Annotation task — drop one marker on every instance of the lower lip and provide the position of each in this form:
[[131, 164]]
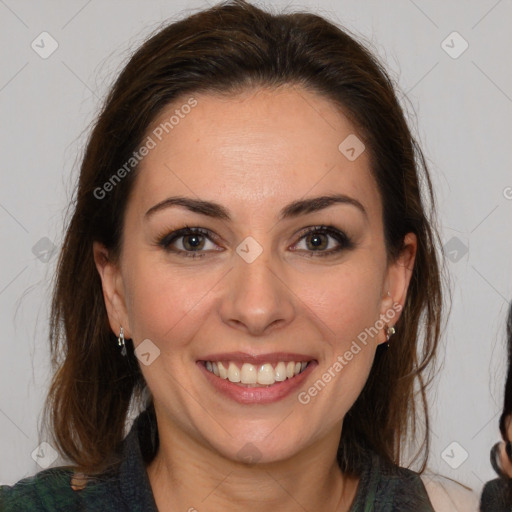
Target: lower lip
[[264, 395]]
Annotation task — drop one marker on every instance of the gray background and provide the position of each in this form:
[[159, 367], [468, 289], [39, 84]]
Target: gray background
[[461, 109]]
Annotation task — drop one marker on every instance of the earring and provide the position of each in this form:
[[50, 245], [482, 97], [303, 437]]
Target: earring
[[120, 342], [389, 332]]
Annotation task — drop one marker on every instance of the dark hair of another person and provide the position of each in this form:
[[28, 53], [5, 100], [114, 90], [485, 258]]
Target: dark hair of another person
[[506, 413], [507, 402], [227, 49]]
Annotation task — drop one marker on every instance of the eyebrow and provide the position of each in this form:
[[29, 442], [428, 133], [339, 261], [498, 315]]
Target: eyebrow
[[294, 209]]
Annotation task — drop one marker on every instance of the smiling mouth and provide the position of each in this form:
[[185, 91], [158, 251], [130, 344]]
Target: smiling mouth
[[253, 376]]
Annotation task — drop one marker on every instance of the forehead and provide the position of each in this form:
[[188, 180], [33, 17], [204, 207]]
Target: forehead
[[254, 152]]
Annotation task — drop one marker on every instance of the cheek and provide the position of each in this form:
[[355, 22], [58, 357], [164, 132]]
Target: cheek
[[164, 304], [346, 300], [347, 303]]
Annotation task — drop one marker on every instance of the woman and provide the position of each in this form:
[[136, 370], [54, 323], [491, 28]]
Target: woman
[[497, 494], [251, 260]]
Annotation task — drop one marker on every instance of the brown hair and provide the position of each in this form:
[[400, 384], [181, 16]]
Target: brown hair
[[227, 49]]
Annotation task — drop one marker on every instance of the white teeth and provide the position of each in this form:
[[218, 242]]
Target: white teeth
[[223, 373], [249, 374], [280, 372], [264, 375], [233, 373]]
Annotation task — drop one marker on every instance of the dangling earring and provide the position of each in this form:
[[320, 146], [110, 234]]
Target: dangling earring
[[120, 342], [390, 330]]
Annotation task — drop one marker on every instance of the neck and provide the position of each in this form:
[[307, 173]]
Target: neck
[[186, 475]]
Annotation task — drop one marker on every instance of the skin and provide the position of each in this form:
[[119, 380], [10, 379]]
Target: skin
[[506, 465], [253, 154]]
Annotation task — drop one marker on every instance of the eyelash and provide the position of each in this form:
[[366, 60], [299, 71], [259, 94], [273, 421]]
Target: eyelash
[[343, 240]]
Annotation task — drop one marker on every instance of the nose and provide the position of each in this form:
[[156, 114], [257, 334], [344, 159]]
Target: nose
[[257, 298]]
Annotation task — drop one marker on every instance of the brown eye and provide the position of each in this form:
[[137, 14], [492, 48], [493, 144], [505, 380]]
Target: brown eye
[[323, 241], [192, 242], [317, 241]]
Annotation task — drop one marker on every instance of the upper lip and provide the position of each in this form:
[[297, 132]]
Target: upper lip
[[271, 357]]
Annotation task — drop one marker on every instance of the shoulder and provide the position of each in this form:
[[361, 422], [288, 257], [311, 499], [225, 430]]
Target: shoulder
[[122, 485], [428, 491], [45, 491], [54, 490], [448, 495], [396, 479], [385, 486]]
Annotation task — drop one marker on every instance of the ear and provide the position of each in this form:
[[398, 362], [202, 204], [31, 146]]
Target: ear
[[396, 284], [113, 290]]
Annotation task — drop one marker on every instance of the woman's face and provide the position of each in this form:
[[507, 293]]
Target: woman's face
[[263, 288]]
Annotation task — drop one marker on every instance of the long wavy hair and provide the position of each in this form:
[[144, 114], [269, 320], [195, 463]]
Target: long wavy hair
[[226, 49]]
